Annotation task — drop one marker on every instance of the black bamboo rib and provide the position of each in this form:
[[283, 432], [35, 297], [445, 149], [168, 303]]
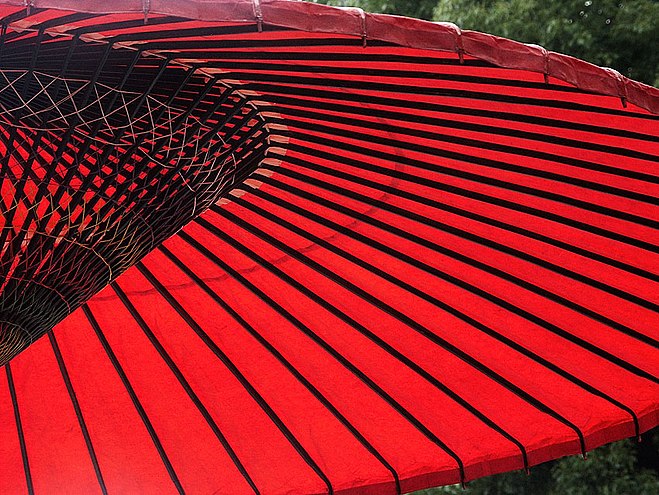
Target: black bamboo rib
[[19, 430], [400, 103], [477, 196], [533, 318], [484, 130], [381, 305], [283, 361], [101, 26], [133, 397], [452, 254], [184, 384], [295, 43], [389, 174], [181, 33], [63, 19], [391, 401], [293, 55], [411, 289], [221, 355], [477, 178], [3, 37], [78, 411]]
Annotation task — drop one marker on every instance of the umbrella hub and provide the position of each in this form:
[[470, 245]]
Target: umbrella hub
[[94, 176]]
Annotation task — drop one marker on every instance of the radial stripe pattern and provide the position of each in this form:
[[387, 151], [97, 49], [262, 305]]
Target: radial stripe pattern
[[441, 269]]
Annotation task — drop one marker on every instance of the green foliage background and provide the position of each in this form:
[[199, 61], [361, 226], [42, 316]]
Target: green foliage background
[[623, 34]]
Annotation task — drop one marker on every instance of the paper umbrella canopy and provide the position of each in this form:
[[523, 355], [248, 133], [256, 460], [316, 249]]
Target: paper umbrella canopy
[[281, 248]]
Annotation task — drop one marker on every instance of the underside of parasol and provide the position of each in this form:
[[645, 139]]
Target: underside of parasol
[[276, 247]]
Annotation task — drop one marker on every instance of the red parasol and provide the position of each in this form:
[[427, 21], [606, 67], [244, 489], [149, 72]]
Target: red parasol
[[288, 248]]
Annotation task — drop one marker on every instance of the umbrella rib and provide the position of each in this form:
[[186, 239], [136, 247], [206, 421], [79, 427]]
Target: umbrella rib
[[112, 26], [261, 43], [287, 364], [482, 179], [133, 397], [334, 56], [308, 107], [63, 19], [221, 355], [392, 115], [3, 37], [364, 99], [429, 91], [408, 362], [184, 384], [482, 293], [19, 429], [179, 34], [395, 174], [288, 69], [406, 320], [317, 339], [413, 290], [78, 411], [478, 196], [453, 254]]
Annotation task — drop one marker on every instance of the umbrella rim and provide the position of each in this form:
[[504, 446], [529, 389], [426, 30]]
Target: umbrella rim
[[402, 31]]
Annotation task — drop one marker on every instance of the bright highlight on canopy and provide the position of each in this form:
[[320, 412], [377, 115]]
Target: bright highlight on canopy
[[277, 247]]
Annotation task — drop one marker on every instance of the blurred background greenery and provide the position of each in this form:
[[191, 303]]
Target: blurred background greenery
[[620, 34]]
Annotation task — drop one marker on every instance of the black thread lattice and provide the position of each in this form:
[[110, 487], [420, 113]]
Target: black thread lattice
[[98, 170]]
